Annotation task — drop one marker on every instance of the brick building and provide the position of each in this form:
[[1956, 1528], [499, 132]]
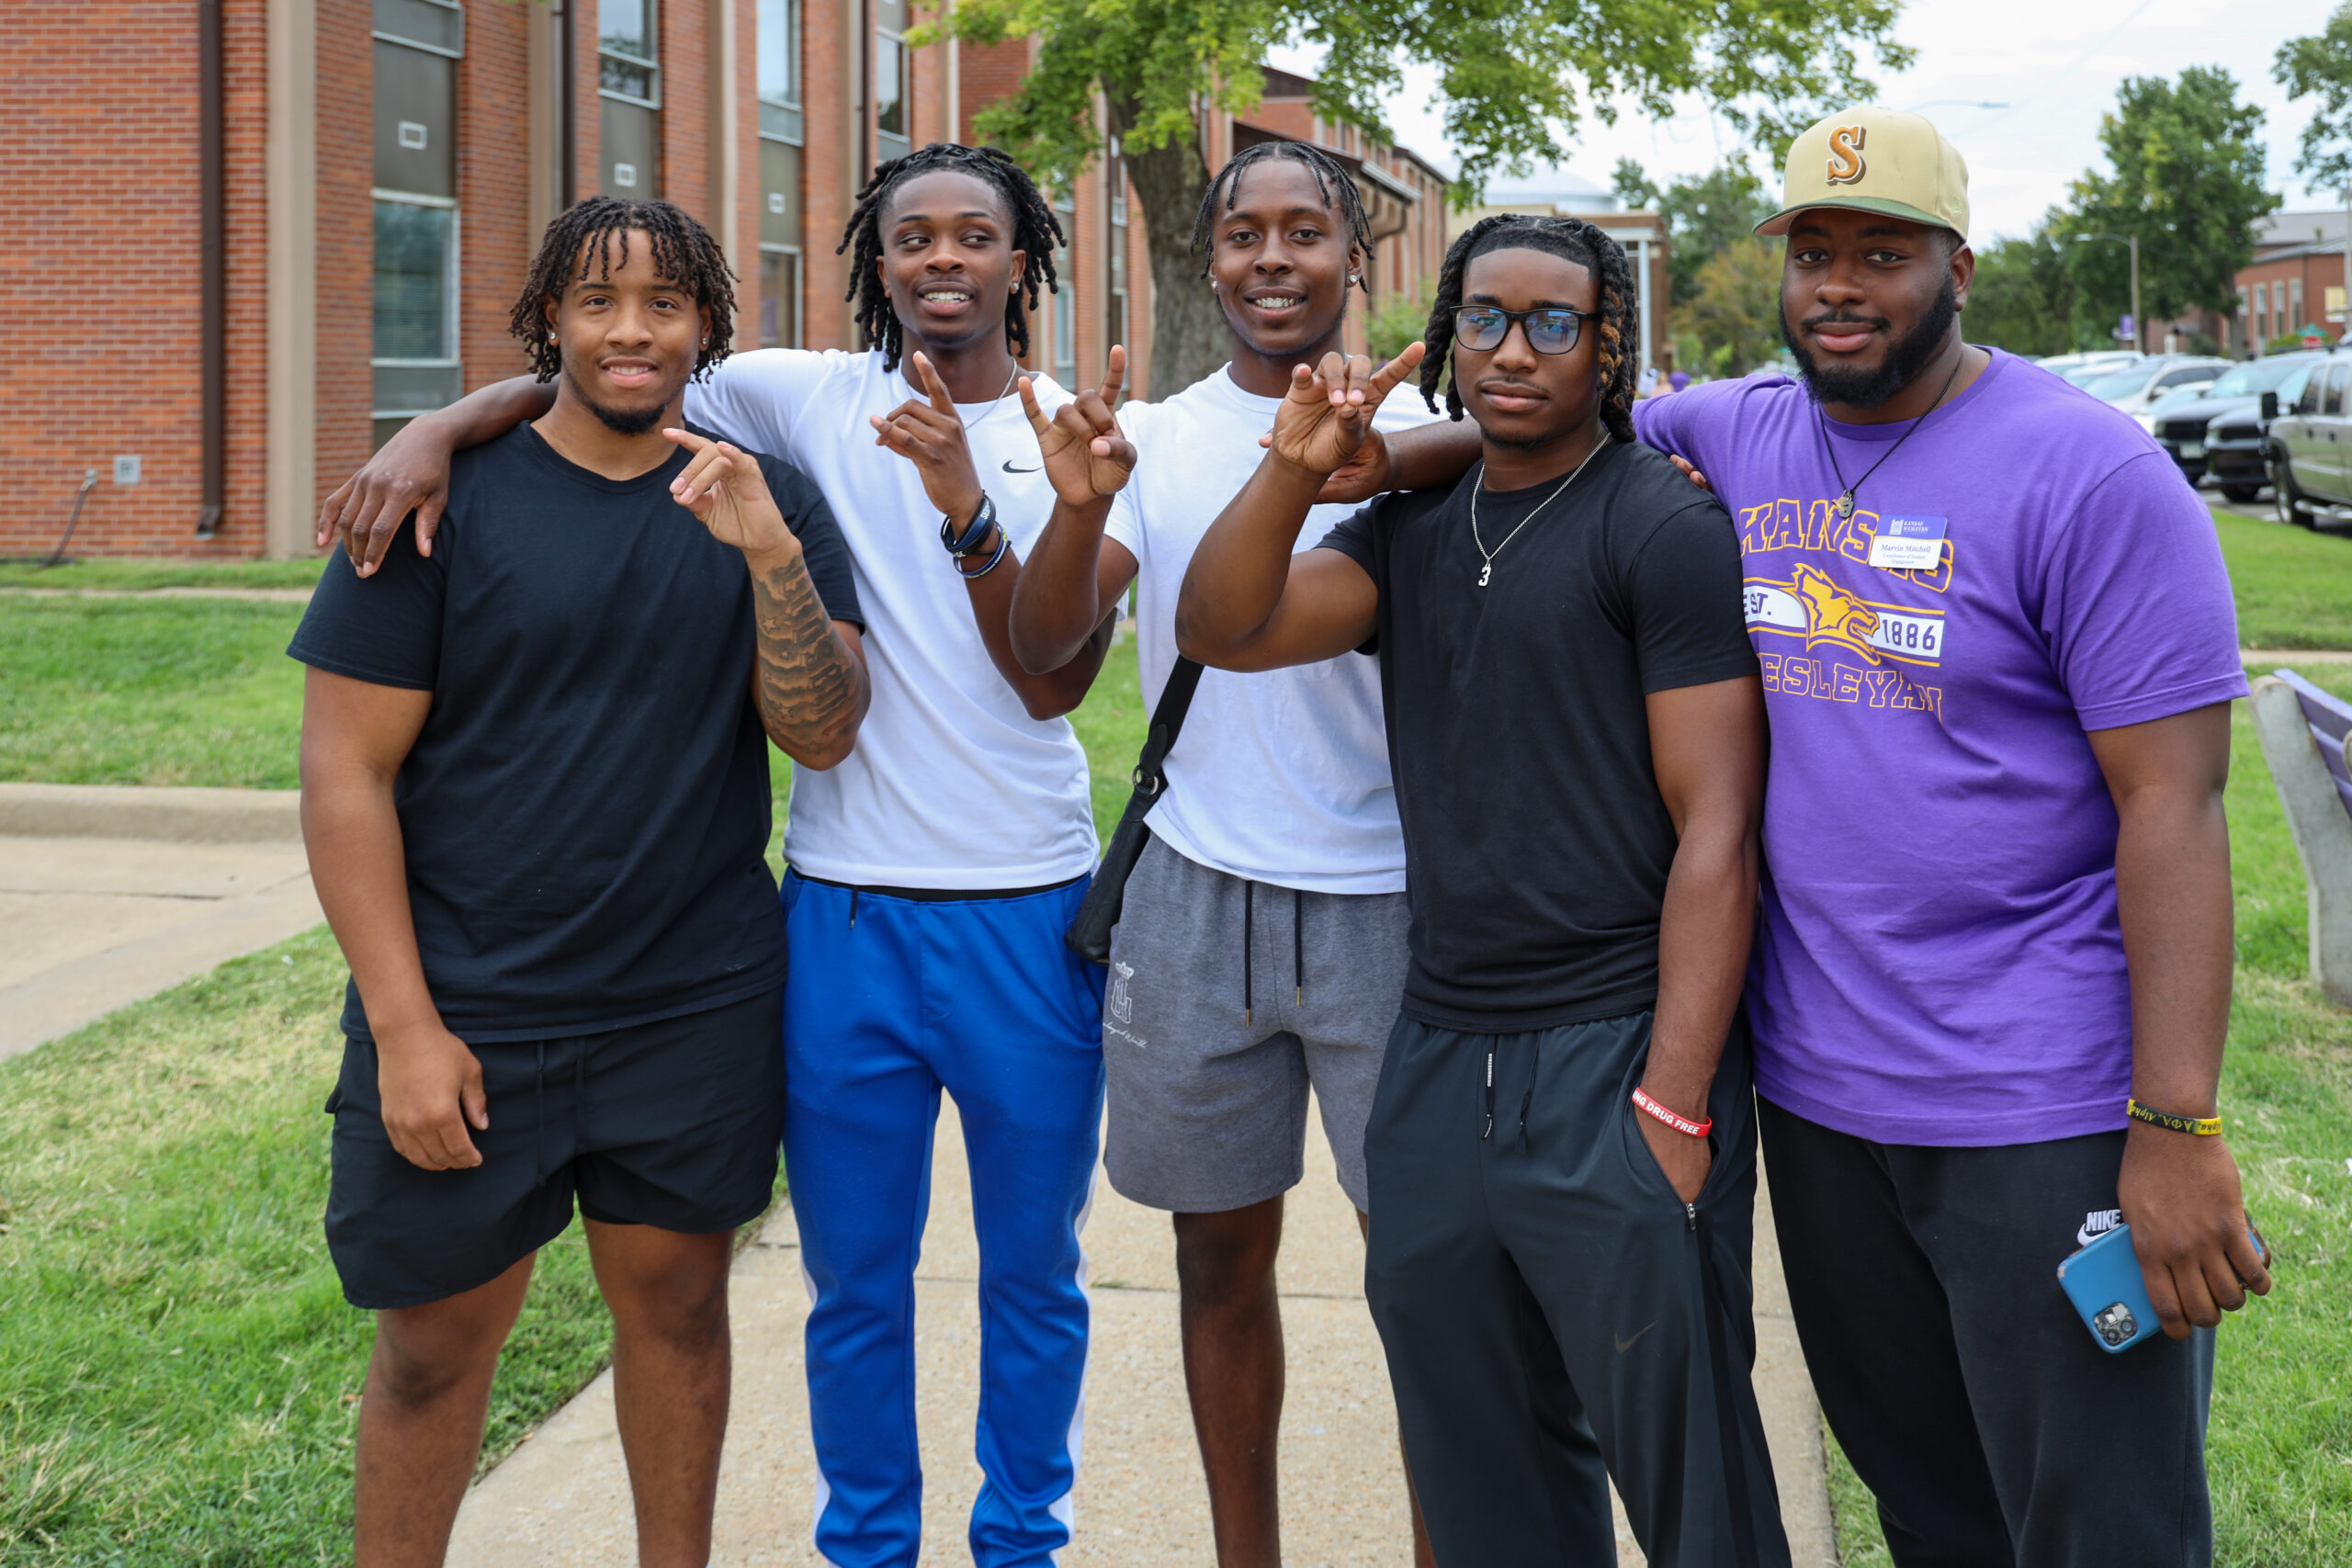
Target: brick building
[[290, 225], [2295, 280]]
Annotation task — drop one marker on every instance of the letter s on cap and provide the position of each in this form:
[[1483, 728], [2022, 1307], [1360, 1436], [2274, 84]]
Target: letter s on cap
[[1845, 154]]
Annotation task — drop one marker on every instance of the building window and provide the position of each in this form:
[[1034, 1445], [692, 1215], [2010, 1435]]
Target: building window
[[629, 80], [1064, 344], [781, 197], [2294, 305], [893, 81], [414, 354], [1114, 191]]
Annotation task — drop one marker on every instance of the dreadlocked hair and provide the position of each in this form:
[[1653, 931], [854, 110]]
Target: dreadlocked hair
[[1033, 231], [1336, 187], [1571, 239], [684, 252]]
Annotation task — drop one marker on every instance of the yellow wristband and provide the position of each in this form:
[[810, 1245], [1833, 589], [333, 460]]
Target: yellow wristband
[[2197, 1126]]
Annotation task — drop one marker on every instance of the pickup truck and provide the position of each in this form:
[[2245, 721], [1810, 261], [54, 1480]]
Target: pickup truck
[[2311, 448]]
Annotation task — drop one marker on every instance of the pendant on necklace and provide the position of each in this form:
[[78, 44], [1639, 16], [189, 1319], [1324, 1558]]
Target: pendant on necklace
[[1845, 507], [1485, 572]]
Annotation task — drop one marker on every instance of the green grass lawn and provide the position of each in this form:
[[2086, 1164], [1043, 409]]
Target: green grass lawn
[[2280, 1441], [180, 1371], [141, 573], [149, 691], [2293, 586]]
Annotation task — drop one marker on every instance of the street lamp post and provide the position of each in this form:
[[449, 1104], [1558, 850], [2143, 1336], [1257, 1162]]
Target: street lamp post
[[2139, 325]]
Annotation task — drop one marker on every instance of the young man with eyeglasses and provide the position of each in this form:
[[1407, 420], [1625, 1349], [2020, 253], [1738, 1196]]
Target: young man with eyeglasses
[[1561, 1150], [1992, 980]]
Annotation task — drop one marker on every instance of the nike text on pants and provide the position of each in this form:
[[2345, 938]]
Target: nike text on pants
[[1555, 1316], [889, 1000], [1994, 1432]]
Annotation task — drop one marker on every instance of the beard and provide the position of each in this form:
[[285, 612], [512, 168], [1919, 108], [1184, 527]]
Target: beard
[[1868, 388], [620, 422]]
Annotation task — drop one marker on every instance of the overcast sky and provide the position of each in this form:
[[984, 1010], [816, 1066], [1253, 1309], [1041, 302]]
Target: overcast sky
[[2056, 64]]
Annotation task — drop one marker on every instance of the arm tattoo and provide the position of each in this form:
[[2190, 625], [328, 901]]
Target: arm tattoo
[[807, 683]]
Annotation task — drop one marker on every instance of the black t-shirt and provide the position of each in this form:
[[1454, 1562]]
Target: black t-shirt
[[1536, 846], [585, 813]]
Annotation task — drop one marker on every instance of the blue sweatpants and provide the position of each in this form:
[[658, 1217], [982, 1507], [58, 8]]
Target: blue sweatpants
[[889, 1000]]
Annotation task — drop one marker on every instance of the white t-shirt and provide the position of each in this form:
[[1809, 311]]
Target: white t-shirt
[[952, 784], [1280, 777]]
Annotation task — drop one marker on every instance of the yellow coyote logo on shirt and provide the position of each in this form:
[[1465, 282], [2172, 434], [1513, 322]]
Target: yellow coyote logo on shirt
[[1832, 615], [1846, 166]]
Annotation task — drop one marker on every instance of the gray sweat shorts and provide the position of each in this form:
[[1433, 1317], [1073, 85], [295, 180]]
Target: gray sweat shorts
[[1226, 1000]]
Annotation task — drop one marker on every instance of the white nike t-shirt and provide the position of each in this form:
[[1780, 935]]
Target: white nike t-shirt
[[1279, 777], [952, 784]]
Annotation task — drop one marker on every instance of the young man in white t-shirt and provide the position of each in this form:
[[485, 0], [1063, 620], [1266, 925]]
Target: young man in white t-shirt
[[933, 872], [1260, 946]]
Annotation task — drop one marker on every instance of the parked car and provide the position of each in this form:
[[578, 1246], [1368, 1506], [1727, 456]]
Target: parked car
[[2106, 364], [2179, 420], [2135, 387], [2237, 441], [2311, 448], [2067, 364]]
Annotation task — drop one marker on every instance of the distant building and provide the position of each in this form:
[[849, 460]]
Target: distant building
[[2295, 280], [1642, 233], [288, 226]]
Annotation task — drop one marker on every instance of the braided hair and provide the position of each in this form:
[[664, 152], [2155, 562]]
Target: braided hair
[[1336, 186], [684, 252], [1035, 230], [1571, 239]]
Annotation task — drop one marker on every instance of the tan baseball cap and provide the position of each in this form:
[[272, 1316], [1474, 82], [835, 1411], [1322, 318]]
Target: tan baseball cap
[[1875, 160]]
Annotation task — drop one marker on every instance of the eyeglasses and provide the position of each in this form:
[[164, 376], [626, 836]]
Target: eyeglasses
[[1553, 329]]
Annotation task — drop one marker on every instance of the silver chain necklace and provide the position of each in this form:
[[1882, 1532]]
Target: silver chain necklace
[[1487, 570], [925, 397]]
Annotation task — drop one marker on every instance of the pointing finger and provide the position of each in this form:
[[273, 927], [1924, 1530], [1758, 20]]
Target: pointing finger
[[1385, 378], [1029, 406], [1114, 375], [934, 386]]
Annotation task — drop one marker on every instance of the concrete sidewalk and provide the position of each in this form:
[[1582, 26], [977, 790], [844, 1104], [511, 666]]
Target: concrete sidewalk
[[109, 895], [561, 1500]]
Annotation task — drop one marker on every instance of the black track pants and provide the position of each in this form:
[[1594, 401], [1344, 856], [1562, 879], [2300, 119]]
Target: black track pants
[[1552, 1313], [1958, 1378]]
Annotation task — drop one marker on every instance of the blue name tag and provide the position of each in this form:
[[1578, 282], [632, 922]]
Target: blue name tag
[[1908, 544]]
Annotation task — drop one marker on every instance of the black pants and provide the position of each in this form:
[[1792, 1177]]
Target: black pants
[[1960, 1382], [1553, 1315]]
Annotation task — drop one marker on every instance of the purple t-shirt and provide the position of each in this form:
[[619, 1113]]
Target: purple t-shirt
[[1939, 959]]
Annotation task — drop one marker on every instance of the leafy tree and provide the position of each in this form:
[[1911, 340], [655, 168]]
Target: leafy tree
[[1515, 80], [1704, 215], [1403, 321], [2321, 66], [2188, 179], [2024, 298], [1735, 308]]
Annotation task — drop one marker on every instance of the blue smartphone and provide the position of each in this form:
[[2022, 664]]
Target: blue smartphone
[[2109, 1293]]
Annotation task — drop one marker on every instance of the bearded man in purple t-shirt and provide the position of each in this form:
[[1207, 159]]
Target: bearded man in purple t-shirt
[[1998, 649]]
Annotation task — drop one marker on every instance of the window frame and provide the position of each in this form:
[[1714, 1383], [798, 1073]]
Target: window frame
[[452, 314], [789, 124], [650, 66], [1063, 344]]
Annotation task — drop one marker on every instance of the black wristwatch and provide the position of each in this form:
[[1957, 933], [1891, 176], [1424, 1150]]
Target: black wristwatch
[[969, 541]]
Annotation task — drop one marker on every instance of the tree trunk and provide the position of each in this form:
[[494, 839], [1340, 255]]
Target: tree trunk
[[1188, 333]]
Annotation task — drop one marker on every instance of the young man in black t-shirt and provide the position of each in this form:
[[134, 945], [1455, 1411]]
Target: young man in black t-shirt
[[535, 791], [1561, 1151]]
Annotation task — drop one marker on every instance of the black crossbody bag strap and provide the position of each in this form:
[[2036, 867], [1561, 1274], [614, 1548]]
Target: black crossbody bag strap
[[1089, 931]]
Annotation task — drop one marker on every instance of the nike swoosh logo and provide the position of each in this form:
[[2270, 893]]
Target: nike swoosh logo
[[1625, 1344], [1011, 469], [2083, 1235]]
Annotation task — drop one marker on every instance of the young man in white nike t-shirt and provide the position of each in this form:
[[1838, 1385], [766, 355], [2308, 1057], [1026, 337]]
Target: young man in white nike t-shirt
[[932, 873]]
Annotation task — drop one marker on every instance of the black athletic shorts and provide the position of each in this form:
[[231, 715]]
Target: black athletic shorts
[[673, 1124]]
